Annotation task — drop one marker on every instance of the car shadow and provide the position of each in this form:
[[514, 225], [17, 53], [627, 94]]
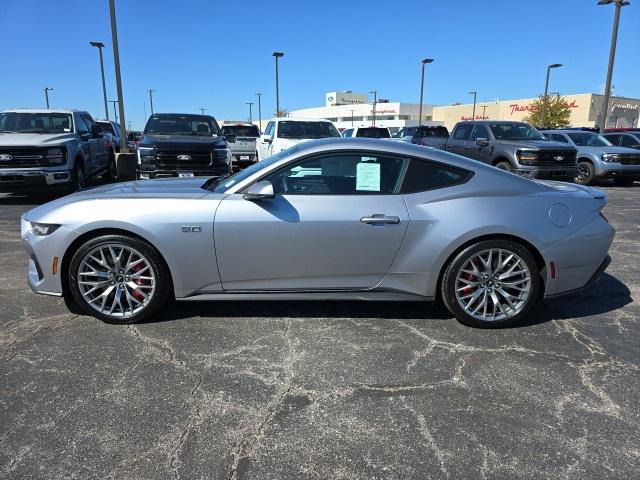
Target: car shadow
[[28, 200], [605, 296]]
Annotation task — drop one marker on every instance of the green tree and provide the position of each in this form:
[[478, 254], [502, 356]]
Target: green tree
[[558, 113]]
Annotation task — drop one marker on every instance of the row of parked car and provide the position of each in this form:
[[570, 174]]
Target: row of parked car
[[45, 149]]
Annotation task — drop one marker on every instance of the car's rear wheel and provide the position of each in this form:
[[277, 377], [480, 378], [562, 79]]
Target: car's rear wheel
[[586, 173], [492, 283], [119, 279], [504, 165], [623, 181]]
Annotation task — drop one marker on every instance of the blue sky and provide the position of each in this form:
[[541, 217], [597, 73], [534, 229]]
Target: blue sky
[[216, 55]]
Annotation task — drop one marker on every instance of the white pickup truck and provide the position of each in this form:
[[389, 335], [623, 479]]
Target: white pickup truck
[[284, 132], [44, 149]]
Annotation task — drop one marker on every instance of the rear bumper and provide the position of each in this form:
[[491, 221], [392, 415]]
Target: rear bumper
[[15, 180], [594, 278], [244, 158]]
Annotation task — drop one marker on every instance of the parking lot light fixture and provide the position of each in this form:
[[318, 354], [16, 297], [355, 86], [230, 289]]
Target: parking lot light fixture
[[473, 113], [46, 95], [612, 56], [424, 62], [100, 46], [277, 55], [259, 95], [250, 111], [375, 102], [543, 117]]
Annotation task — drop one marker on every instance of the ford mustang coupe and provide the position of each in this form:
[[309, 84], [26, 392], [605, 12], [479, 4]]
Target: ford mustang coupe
[[358, 219]]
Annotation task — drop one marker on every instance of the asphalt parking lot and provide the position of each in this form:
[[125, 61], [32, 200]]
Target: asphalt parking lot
[[339, 390]]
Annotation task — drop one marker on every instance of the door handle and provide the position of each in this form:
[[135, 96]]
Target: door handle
[[377, 219]]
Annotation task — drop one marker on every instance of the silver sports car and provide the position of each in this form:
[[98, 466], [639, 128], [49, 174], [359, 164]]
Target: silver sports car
[[330, 219]]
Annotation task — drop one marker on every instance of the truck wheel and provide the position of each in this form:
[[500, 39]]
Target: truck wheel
[[504, 165], [78, 180], [112, 172], [586, 173]]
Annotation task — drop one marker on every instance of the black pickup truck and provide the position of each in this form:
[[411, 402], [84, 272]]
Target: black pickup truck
[[182, 145]]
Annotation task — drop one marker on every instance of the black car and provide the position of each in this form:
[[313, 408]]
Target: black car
[[182, 145]]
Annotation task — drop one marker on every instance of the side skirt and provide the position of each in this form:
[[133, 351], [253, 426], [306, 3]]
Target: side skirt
[[280, 296]]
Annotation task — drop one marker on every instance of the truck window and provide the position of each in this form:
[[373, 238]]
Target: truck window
[[462, 132], [479, 131]]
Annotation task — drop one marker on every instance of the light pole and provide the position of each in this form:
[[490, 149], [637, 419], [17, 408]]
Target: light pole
[[277, 55], [612, 56], [259, 95], [250, 112], [202, 110], [484, 111], [543, 118], [352, 117], [116, 61], [100, 46], [129, 125], [151, 99], [46, 94], [115, 112], [424, 62], [375, 101], [475, 95]]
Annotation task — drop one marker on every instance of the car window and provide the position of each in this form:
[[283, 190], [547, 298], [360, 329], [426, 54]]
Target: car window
[[303, 129], [479, 131], [241, 130], [340, 174], [373, 132], [348, 132], [588, 139], [514, 131], [80, 125], [107, 127], [423, 175], [559, 138], [87, 120], [118, 129], [269, 129], [462, 132], [629, 141], [25, 122]]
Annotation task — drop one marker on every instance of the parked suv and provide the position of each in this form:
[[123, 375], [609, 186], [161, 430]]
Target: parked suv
[[182, 145], [284, 132], [599, 158], [367, 132], [241, 138], [630, 139], [428, 136], [514, 146], [112, 130], [46, 149]]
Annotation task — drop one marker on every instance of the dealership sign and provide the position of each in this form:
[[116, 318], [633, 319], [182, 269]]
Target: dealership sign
[[516, 107]]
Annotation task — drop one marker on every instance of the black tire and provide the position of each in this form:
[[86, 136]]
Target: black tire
[[112, 171], [586, 173], [78, 180], [504, 165], [448, 288], [623, 181], [160, 271]]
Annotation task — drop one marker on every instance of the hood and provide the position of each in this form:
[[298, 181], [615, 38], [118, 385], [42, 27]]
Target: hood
[[158, 188], [34, 139], [538, 144], [181, 141], [600, 150]]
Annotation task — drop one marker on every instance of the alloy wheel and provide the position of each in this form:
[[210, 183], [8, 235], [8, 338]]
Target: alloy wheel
[[493, 285], [116, 280]]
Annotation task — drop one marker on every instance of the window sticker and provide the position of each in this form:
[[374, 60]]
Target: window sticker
[[368, 176]]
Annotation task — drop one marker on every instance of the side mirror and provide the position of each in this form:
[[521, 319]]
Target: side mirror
[[230, 138], [267, 138], [96, 131], [262, 190], [482, 141]]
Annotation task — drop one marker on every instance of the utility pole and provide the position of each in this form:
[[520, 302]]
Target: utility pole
[[259, 95], [484, 111], [46, 94], [116, 61], [151, 99], [475, 94], [375, 101], [277, 55], [100, 46], [115, 112], [202, 110], [250, 112], [129, 125]]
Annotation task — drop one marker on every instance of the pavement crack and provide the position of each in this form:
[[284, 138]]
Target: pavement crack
[[174, 457], [157, 346]]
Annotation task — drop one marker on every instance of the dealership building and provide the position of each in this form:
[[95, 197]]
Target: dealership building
[[348, 109]]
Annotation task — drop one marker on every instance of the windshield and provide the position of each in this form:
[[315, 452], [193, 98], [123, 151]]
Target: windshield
[[19, 122], [241, 130], [227, 182], [373, 132], [515, 131], [292, 129], [177, 124], [588, 139]]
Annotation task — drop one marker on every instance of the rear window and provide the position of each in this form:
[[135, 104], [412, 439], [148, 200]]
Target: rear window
[[436, 132], [241, 130], [291, 129], [107, 127], [423, 175], [463, 131], [372, 132]]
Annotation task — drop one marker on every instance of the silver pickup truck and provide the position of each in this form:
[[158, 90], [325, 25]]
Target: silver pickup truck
[[49, 149], [241, 138]]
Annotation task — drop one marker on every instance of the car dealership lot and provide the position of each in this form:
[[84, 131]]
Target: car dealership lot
[[322, 389]]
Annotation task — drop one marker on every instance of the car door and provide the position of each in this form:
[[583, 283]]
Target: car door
[[82, 129], [96, 147], [264, 143], [479, 151], [457, 143], [337, 221]]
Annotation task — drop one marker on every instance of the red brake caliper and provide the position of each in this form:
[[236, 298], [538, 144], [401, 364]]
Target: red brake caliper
[[472, 278], [138, 281]]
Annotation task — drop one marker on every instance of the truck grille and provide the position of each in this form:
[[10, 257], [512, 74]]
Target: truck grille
[[25, 158], [197, 158], [629, 159], [548, 159]]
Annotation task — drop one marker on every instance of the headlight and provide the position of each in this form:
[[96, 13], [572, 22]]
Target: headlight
[[526, 156], [43, 228], [146, 155], [56, 156], [610, 157]]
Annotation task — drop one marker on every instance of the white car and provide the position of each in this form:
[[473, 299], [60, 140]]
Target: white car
[[370, 131], [282, 133]]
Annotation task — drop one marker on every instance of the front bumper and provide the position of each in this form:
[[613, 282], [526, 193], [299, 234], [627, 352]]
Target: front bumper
[[16, 180], [145, 172], [547, 172], [616, 170]]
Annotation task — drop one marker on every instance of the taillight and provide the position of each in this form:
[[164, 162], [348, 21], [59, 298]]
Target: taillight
[[552, 269]]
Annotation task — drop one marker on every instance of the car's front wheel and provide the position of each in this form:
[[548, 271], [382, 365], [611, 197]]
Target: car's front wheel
[[492, 283], [586, 173], [118, 279]]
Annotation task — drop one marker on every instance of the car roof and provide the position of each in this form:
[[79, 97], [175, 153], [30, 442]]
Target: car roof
[[299, 119], [238, 124], [41, 110]]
